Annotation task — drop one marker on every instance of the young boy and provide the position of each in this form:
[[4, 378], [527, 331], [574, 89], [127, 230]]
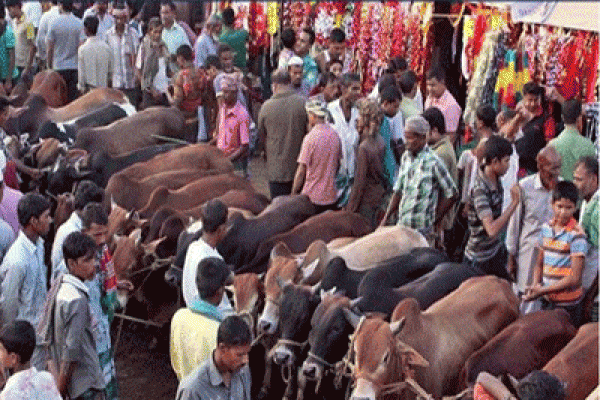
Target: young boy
[[73, 346], [392, 130], [484, 248], [563, 246], [17, 341]]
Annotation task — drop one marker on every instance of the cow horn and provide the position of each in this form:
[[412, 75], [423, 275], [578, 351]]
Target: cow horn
[[261, 276], [281, 283], [354, 302], [150, 248], [113, 203], [324, 293], [397, 326], [353, 318], [136, 235], [315, 288], [414, 358]]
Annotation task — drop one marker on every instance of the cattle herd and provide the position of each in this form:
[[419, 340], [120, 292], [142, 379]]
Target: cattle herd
[[337, 310]]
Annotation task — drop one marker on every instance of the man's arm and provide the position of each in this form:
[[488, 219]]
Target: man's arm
[[513, 238], [444, 205], [76, 321], [299, 178], [11, 291], [391, 209], [492, 226], [50, 54]]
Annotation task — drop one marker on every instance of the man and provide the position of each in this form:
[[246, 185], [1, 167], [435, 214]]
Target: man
[[439, 141], [23, 272], [226, 56], [424, 190], [123, 41], [225, 375], [7, 235], [295, 67], [439, 96], [412, 99], [24, 37], [100, 11], [63, 41], [288, 41], [207, 43], [194, 328], [336, 49], [310, 73], [235, 38], [94, 59], [328, 88], [585, 177], [280, 133], [344, 115], [86, 192], [524, 227], [172, 34], [319, 160], [570, 144], [40, 41]]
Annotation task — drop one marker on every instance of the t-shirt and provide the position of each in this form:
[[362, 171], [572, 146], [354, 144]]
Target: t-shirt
[[7, 42], [65, 31], [236, 38], [571, 146], [234, 128], [197, 251], [449, 107], [24, 32], [486, 200], [321, 153], [30, 384]]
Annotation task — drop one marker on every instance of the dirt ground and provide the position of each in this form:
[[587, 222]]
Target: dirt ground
[[143, 367]]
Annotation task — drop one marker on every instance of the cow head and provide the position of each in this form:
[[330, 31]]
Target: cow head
[[248, 296], [122, 221], [316, 258], [380, 358], [297, 306], [328, 338], [283, 267], [63, 175]]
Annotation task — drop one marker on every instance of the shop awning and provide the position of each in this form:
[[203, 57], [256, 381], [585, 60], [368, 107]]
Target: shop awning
[[584, 15]]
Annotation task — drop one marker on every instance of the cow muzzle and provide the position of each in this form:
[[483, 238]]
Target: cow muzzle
[[283, 355], [267, 323], [312, 371], [364, 390]]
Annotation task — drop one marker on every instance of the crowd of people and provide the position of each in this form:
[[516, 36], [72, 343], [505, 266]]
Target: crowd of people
[[513, 202]]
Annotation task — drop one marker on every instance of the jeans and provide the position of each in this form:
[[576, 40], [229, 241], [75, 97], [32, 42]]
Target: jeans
[[280, 189], [495, 265], [70, 77]]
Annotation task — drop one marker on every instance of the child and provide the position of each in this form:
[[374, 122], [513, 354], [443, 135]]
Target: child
[[484, 248], [152, 66], [17, 341], [563, 246], [392, 129], [188, 84], [74, 357]]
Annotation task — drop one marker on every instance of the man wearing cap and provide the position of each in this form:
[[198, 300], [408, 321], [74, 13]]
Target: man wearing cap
[[207, 43], [319, 159], [295, 67], [233, 135], [194, 328], [424, 190]]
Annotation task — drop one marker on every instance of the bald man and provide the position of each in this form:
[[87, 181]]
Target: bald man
[[524, 227]]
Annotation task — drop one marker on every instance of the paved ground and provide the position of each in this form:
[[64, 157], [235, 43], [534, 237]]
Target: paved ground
[[145, 373]]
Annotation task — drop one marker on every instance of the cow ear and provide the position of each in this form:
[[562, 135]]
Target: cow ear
[[136, 235], [414, 358], [308, 270], [150, 248], [396, 327], [281, 250], [281, 283], [353, 318]]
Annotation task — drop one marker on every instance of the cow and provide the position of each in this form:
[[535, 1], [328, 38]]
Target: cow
[[35, 112], [394, 272], [378, 295], [325, 226], [139, 130], [248, 296], [364, 253], [51, 86], [246, 200], [576, 365], [67, 132], [194, 193], [192, 157], [439, 340], [526, 344], [245, 235]]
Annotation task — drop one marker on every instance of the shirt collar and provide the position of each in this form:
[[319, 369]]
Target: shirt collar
[[441, 142], [213, 373], [232, 110], [28, 244], [76, 282]]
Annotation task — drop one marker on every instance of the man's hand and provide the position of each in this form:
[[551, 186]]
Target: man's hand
[[533, 292], [511, 267], [515, 193]]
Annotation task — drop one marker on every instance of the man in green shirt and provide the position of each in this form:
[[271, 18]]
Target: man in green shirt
[[570, 144], [236, 38]]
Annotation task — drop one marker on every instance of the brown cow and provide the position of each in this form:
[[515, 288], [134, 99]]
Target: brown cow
[[523, 346], [51, 86], [193, 194], [248, 296], [132, 133], [577, 364], [445, 335], [245, 200]]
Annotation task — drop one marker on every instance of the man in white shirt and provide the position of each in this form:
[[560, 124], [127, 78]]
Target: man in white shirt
[[42, 34], [173, 34], [100, 11], [94, 59]]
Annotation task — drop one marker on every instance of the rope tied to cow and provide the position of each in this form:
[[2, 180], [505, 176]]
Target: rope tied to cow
[[407, 383]]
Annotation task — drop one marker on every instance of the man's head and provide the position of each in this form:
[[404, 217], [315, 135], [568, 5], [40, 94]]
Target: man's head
[[386, 80], [370, 117], [295, 68], [17, 342], [503, 117], [214, 218], [280, 80], [167, 13], [436, 82], [66, 5], [549, 163], [335, 66], [564, 201], [101, 6], [496, 154], [337, 43], [330, 86], [390, 100], [214, 24], [351, 89], [87, 192], [571, 113], [316, 111], [229, 90], [306, 38], [79, 252], [33, 211], [415, 133], [436, 120], [533, 94], [14, 8], [228, 17], [397, 66], [408, 83], [585, 176], [288, 38], [486, 117], [184, 55], [95, 223], [211, 278], [121, 17], [226, 56], [540, 385], [155, 29], [212, 65], [90, 25], [233, 343]]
